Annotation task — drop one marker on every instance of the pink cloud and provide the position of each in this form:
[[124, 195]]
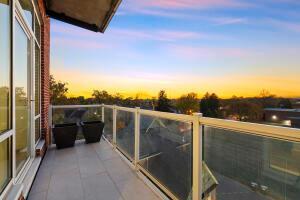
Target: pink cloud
[[229, 20], [159, 35], [185, 4]]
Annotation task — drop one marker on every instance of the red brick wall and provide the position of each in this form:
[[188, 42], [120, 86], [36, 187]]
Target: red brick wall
[[45, 73]]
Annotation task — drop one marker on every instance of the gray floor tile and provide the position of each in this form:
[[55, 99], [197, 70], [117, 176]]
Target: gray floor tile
[[102, 145], [118, 169], [37, 196], [90, 166], [66, 186], [86, 172], [85, 150], [134, 189], [42, 181], [100, 187], [107, 154]]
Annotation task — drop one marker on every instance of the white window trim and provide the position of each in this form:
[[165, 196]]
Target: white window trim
[[19, 17]]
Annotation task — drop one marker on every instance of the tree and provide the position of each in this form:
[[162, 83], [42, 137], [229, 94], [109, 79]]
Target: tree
[[58, 92], [188, 104], [285, 103], [267, 99], [163, 103], [102, 97], [243, 110], [209, 105]]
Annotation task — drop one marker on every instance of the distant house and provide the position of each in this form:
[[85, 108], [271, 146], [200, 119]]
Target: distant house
[[284, 117], [296, 104]]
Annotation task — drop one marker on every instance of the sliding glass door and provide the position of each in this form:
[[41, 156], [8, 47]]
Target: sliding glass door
[[22, 82], [5, 95]]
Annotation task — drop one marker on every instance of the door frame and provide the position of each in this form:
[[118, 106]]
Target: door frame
[[19, 17]]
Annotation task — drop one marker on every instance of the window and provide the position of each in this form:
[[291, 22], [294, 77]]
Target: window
[[5, 164], [28, 11], [5, 88], [22, 65]]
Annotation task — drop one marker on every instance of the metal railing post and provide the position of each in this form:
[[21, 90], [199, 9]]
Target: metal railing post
[[102, 112], [137, 137], [114, 126], [197, 158]]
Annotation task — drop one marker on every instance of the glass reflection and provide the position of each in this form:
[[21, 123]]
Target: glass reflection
[[28, 11], [4, 66], [5, 164], [22, 115]]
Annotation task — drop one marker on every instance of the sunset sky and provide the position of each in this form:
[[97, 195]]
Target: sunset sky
[[230, 47]]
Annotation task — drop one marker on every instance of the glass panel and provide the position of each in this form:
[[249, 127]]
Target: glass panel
[[28, 11], [166, 153], [125, 133], [5, 164], [252, 167], [37, 129], [22, 94], [108, 121], [37, 80], [76, 115], [4, 66]]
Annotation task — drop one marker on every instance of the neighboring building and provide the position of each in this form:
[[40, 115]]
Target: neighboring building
[[24, 81], [284, 117], [296, 103]]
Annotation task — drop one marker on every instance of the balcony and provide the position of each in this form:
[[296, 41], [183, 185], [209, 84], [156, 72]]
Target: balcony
[[153, 155], [88, 171]]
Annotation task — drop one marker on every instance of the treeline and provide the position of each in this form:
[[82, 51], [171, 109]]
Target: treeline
[[236, 108]]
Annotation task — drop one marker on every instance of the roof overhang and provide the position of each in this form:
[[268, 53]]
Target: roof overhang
[[93, 15]]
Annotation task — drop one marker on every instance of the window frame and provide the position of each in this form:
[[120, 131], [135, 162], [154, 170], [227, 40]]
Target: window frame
[[17, 15], [9, 133], [10, 182], [37, 43]]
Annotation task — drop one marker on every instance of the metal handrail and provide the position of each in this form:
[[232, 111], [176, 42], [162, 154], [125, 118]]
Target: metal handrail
[[277, 132]]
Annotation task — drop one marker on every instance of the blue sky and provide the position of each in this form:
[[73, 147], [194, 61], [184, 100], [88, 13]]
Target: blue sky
[[231, 47]]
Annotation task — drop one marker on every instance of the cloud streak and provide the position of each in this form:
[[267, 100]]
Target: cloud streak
[[185, 4], [192, 52], [158, 35], [284, 25]]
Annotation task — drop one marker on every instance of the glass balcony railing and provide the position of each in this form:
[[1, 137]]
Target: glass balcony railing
[[125, 133], [76, 114], [166, 153], [253, 166], [193, 157], [108, 121]]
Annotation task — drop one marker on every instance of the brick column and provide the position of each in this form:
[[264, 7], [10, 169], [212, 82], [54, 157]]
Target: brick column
[[45, 72]]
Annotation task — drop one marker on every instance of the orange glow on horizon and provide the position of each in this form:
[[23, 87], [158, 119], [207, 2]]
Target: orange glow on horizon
[[81, 84]]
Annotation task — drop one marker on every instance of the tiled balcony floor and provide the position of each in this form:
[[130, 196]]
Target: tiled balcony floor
[[87, 172]]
